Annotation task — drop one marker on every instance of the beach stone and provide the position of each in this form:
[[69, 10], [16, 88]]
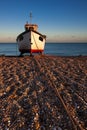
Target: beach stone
[[35, 90]]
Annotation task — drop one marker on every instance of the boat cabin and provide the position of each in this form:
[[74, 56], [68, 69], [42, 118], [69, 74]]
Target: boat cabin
[[33, 27]]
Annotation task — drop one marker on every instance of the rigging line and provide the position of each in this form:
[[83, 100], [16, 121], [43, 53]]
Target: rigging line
[[57, 93], [35, 42], [74, 122], [16, 49]]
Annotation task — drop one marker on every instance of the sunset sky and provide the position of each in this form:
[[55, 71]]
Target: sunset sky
[[59, 20]]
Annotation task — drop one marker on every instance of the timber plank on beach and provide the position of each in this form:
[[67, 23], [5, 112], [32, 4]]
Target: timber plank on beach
[[43, 92]]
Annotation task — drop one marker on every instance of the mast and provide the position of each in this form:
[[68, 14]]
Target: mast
[[31, 26], [30, 17]]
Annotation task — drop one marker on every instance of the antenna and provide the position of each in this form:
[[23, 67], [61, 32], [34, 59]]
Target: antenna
[[30, 17]]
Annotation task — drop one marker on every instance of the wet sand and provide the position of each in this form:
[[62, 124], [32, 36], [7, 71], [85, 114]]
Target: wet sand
[[43, 93]]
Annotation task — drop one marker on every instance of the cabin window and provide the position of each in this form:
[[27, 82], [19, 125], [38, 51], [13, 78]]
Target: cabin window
[[21, 38], [40, 38], [31, 28]]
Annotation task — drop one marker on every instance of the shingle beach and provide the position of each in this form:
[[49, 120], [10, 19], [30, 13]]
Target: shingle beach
[[43, 93]]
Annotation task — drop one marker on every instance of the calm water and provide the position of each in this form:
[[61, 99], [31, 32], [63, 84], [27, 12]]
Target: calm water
[[58, 49]]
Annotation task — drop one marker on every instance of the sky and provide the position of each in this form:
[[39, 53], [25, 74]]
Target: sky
[[59, 20]]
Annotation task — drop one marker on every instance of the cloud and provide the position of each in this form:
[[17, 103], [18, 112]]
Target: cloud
[[7, 39], [73, 36], [67, 38]]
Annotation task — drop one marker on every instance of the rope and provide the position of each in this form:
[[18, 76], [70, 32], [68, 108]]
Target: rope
[[35, 42], [16, 49]]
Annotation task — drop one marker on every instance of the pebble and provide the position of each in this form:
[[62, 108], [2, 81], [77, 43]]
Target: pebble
[[28, 98]]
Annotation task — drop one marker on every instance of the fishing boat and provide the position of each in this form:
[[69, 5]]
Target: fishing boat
[[31, 41]]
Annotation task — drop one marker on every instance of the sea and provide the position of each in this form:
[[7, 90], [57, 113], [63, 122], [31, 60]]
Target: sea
[[55, 49]]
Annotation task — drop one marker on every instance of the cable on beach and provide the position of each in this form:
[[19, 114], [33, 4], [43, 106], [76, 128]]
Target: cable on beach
[[75, 123], [39, 93]]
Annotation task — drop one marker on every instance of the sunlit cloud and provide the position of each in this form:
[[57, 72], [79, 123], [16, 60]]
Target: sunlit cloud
[[7, 39], [67, 38]]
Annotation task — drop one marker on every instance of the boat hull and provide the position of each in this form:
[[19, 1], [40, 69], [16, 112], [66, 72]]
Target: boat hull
[[31, 42]]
